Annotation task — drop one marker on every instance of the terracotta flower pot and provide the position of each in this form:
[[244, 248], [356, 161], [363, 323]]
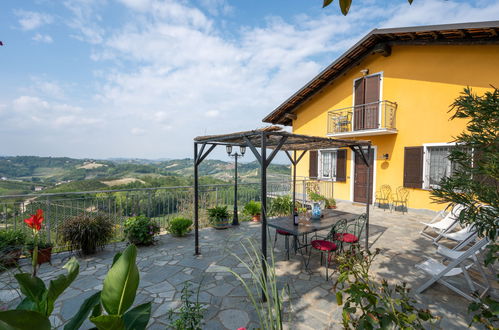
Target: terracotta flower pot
[[44, 255], [256, 218]]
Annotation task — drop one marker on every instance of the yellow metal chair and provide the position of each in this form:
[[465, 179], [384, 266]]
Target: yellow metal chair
[[400, 200], [383, 197]]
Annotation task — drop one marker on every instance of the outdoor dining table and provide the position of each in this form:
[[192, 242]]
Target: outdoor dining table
[[327, 221]]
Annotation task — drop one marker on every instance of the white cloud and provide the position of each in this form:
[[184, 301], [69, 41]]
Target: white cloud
[[30, 20], [137, 131], [31, 110], [426, 12], [45, 38], [212, 113]]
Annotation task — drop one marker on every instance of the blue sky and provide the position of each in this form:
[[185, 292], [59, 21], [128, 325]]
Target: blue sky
[[142, 78]]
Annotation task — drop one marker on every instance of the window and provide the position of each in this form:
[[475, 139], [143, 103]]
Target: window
[[437, 165], [328, 164]]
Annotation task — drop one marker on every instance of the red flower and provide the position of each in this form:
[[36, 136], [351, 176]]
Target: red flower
[[35, 221]]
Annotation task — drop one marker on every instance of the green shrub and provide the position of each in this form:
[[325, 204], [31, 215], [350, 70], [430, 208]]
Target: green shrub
[[179, 226], [11, 239], [252, 208], [372, 305], [190, 314], [87, 232], [281, 206], [315, 197], [141, 230], [218, 214]]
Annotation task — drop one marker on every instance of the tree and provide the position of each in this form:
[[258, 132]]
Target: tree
[[475, 180], [345, 5]]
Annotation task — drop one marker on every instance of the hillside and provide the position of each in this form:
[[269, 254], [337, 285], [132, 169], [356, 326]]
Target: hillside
[[22, 174]]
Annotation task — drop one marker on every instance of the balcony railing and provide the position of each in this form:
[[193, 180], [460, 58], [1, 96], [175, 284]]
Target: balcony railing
[[375, 116]]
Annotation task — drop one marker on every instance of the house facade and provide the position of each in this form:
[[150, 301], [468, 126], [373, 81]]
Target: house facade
[[393, 88]]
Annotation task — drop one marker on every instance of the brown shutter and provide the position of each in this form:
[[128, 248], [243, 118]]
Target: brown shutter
[[312, 167], [372, 89], [359, 91], [341, 165], [413, 167]]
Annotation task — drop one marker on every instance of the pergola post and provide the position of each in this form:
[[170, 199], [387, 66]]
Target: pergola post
[[369, 189], [263, 191], [198, 158], [196, 200]]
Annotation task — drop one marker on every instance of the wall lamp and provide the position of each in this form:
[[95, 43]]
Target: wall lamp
[[385, 156]]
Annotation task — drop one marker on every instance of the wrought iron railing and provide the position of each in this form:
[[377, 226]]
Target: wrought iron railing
[[375, 115], [161, 204]]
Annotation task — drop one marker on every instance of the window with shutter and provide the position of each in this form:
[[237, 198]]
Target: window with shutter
[[341, 165], [313, 162], [413, 167]]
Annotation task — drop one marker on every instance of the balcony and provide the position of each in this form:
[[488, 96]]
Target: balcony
[[376, 118]]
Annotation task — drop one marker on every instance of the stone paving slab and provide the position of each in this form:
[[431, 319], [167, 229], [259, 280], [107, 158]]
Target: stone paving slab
[[165, 266]]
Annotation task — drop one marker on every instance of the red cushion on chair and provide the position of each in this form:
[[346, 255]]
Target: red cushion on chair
[[283, 232], [324, 245], [346, 237]]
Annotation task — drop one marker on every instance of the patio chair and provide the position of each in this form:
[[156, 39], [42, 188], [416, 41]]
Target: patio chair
[[457, 236], [353, 232], [328, 245], [443, 222], [286, 239], [400, 200], [383, 197], [439, 271]]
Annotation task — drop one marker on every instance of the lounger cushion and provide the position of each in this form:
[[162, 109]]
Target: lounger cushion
[[346, 237], [324, 245], [283, 232]]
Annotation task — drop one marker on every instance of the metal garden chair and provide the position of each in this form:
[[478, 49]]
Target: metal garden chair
[[400, 200], [329, 244], [383, 197], [353, 232]]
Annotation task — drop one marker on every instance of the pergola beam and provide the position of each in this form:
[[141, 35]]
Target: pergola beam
[[274, 138]]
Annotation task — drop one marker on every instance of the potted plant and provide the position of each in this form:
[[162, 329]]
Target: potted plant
[[44, 250], [253, 209], [11, 246], [330, 203], [179, 226], [87, 232], [219, 217], [141, 230]]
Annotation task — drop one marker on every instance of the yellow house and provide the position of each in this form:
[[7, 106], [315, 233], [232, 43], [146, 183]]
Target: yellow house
[[394, 88]]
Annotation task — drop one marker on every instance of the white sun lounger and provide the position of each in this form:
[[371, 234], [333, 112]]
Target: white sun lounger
[[443, 222], [440, 271]]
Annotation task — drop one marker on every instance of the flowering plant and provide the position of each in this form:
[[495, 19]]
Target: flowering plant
[[140, 230], [35, 223]]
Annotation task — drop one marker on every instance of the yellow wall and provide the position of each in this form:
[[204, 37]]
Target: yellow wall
[[424, 81]]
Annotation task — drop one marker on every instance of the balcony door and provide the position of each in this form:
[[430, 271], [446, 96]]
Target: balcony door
[[366, 102]]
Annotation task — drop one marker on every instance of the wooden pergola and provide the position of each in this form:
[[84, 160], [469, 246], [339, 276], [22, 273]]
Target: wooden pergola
[[273, 138]]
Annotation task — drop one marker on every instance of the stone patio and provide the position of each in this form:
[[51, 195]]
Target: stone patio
[[167, 265]]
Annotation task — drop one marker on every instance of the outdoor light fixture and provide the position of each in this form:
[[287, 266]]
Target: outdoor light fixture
[[364, 72], [242, 150], [385, 156]]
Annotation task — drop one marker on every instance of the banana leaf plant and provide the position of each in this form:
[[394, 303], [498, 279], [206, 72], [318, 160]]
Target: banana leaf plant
[[111, 308], [34, 310]]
